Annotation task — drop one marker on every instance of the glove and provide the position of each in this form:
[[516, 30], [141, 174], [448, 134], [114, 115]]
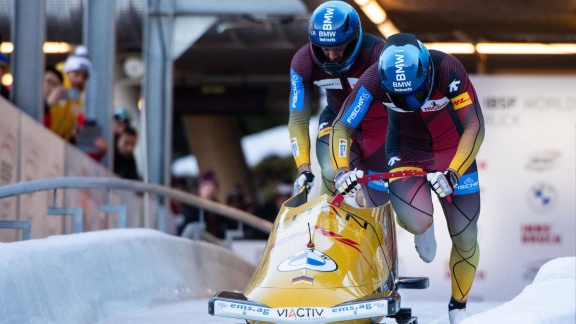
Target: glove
[[347, 182], [452, 178], [440, 183], [306, 179]]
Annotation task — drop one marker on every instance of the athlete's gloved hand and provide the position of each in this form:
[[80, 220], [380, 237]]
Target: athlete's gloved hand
[[306, 179], [440, 183], [347, 182], [452, 178]]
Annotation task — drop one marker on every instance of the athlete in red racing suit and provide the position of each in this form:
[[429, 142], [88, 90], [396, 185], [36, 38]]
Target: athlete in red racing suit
[[435, 125], [314, 65]]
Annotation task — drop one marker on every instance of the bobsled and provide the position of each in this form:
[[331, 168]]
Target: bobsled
[[325, 261]]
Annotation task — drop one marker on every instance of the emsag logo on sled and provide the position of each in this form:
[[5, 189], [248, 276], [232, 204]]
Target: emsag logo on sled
[[248, 308]]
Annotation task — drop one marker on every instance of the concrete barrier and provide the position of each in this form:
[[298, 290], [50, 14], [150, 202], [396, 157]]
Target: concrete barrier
[[87, 277]]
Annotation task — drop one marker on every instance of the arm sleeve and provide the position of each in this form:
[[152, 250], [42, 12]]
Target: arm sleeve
[[469, 113], [300, 103], [351, 115], [340, 139]]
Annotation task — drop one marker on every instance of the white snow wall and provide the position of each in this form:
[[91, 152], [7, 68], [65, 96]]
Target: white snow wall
[[83, 278]]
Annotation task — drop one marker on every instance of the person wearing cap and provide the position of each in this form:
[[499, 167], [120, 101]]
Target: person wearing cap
[[337, 54], [4, 68], [121, 120], [436, 125], [66, 106], [67, 113]]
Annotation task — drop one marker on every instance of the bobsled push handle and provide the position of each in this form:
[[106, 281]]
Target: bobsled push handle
[[337, 201]]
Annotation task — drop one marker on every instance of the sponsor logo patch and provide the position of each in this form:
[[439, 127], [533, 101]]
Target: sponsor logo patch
[[301, 313], [251, 309], [329, 84], [379, 185], [401, 84], [461, 101], [434, 105], [454, 86], [296, 98], [393, 160], [467, 184], [295, 149], [359, 108], [308, 259], [342, 147]]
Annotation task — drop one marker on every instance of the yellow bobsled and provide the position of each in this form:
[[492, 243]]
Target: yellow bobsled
[[324, 263]]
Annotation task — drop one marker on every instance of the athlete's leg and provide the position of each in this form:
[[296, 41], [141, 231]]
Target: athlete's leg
[[412, 201], [375, 192], [462, 218]]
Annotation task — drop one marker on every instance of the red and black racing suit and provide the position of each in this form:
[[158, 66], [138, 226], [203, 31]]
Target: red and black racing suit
[[446, 133], [368, 140]]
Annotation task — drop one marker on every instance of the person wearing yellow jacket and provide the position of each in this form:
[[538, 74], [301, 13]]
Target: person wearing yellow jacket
[[66, 107]]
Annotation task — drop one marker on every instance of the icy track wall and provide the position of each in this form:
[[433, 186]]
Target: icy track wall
[[84, 278]]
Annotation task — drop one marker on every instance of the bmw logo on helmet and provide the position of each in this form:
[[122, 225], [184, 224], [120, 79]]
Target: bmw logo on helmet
[[406, 71], [334, 24]]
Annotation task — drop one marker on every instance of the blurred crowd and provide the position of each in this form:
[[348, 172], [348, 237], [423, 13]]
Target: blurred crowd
[[207, 186], [63, 94]]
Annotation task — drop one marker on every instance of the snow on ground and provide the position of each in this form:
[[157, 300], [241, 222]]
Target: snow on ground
[[145, 276]]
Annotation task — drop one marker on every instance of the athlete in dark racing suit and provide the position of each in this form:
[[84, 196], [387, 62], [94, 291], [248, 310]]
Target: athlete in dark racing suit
[[435, 125], [338, 53]]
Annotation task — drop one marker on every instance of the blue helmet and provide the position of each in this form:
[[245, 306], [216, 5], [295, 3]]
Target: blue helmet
[[333, 24], [406, 71]]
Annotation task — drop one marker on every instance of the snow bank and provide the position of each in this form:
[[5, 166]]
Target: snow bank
[[551, 298], [84, 278]]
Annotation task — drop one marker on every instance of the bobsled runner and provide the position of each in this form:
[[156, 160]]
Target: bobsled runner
[[324, 262]]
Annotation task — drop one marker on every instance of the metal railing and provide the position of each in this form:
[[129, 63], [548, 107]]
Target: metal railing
[[111, 183]]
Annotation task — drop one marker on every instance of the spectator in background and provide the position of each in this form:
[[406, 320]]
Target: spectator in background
[[207, 187], [4, 68], [67, 108], [236, 198], [122, 119], [124, 161], [64, 107], [269, 211], [53, 92]]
